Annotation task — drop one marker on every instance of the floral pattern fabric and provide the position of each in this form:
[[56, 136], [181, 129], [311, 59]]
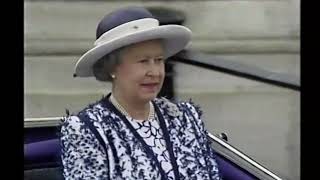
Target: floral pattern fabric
[[83, 156]]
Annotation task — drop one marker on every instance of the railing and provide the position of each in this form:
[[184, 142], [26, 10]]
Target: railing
[[208, 61], [243, 161], [41, 122]]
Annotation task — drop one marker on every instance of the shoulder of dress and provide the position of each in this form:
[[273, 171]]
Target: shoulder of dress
[[181, 106], [91, 110], [169, 107]]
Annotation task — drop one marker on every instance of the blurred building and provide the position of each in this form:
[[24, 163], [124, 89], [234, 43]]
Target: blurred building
[[261, 120]]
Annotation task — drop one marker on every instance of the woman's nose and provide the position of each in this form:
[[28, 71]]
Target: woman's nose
[[154, 69]]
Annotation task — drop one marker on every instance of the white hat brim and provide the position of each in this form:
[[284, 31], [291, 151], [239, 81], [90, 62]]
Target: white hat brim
[[175, 39]]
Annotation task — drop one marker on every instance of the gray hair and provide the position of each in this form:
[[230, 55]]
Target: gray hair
[[103, 68]]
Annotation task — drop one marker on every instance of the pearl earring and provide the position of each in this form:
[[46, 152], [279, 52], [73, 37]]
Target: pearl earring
[[113, 76]]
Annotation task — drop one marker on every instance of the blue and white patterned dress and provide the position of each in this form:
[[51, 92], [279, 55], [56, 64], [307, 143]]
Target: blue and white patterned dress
[[152, 134], [122, 154]]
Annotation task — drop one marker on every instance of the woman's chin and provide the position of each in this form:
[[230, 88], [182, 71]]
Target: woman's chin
[[149, 96], [149, 93]]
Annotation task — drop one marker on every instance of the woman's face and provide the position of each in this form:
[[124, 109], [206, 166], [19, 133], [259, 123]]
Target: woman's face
[[141, 73]]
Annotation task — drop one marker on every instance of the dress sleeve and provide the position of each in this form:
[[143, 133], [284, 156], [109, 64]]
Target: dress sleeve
[[81, 154], [208, 151]]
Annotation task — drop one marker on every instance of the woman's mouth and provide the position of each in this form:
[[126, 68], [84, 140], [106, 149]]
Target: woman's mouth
[[150, 87]]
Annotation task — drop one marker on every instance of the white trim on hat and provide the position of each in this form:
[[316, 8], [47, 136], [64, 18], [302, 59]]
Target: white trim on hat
[[175, 39], [127, 28]]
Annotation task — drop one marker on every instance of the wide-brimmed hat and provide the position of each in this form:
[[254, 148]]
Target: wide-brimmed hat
[[128, 26]]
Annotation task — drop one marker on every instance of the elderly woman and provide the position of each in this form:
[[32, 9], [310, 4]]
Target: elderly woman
[[130, 133]]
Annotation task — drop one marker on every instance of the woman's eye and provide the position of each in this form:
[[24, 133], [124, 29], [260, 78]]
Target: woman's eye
[[143, 61], [159, 59]]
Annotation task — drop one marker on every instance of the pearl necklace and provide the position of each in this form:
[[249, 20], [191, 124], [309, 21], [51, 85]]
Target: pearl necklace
[[124, 112]]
